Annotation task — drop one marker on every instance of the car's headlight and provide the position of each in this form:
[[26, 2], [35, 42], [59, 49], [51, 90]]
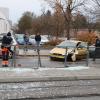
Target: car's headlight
[[50, 52], [70, 51], [63, 54]]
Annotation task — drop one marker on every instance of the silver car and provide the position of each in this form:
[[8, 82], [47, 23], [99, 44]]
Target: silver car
[[44, 39]]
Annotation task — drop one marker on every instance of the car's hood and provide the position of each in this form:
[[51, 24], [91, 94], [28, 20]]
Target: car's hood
[[20, 40], [44, 40], [62, 51], [58, 51]]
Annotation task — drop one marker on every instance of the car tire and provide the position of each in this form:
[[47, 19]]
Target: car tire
[[52, 59], [73, 57]]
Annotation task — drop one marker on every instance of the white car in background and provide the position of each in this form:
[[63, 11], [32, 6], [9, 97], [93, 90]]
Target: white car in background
[[14, 44], [91, 50], [44, 39]]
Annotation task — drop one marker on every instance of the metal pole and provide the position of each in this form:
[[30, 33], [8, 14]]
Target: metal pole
[[25, 48], [66, 58], [12, 61], [39, 59], [14, 55], [38, 52], [87, 59]]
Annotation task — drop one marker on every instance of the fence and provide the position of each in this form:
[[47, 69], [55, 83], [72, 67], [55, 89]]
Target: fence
[[37, 60]]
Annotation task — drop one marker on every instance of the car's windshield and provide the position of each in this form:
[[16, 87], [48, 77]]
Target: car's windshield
[[44, 38], [19, 36], [32, 36], [67, 44]]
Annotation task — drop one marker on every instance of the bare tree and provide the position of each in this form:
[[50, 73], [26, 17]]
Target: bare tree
[[97, 9], [97, 2], [25, 22], [92, 10], [67, 7], [58, 19]]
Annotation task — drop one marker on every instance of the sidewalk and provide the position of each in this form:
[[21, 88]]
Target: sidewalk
[[48, 74], [32, 52]]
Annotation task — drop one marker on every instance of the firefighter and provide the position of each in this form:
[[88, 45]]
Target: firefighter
[[6, 48], [38, 39], [26, 41], [97, 48]]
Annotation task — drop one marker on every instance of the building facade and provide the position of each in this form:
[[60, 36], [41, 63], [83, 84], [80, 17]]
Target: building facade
[[5, 25]]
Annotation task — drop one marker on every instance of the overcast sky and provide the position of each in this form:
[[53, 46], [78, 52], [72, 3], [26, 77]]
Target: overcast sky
[[18, 7]]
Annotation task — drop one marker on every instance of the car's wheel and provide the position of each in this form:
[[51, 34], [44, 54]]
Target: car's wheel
[[51, 58], [73, 57]]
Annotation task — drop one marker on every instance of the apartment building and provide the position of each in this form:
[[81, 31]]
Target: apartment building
[[5, 25]]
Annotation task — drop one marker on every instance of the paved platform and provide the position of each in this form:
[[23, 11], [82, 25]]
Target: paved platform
[[33, 53], [48, 74]]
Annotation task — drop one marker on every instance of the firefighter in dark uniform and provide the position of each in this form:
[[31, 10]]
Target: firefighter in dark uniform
[[6, 48], [97, 48], [38, 39], [26, 41]]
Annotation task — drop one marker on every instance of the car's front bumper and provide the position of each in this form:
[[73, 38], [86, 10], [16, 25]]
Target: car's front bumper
[[57, 56], [60, 56]]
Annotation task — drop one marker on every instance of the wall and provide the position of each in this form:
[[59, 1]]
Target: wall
[[4, 21]]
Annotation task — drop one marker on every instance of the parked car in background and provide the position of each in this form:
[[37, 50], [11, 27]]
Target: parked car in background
[[91, 51], [20, 39], [32, 39], [44, 39], [14, 44], [72, 48]]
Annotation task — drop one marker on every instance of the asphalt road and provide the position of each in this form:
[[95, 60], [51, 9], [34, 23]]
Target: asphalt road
[[50, 90], [54, 90], [73, 98], [33, 62]]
